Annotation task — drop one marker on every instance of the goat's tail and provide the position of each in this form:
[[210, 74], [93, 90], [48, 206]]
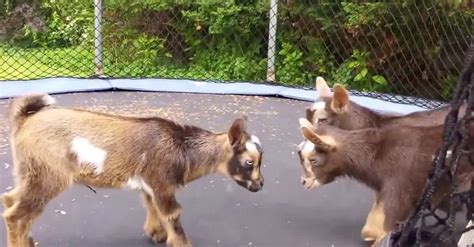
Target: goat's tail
[[23, 107]]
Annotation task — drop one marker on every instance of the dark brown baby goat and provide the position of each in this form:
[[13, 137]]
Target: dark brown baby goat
[[53, 148], [336, 109], [393, 160]]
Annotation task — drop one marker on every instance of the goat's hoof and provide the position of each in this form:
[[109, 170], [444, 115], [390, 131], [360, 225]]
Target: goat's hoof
[[178, 243], [367, 236], [156, 235], [368, 239], [32, 243]]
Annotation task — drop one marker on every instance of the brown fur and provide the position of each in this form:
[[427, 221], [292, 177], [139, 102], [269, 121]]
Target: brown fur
[[393, 160], [157, 154], [339, 111]]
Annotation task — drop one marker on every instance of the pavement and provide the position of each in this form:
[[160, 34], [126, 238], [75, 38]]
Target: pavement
[[216, 211]]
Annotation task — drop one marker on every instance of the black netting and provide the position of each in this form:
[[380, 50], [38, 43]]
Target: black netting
[[383, 49], [427, 226]]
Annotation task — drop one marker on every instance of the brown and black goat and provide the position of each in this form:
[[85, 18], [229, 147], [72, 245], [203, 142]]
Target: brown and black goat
[[54, 148], [335, 108], [393, 160]]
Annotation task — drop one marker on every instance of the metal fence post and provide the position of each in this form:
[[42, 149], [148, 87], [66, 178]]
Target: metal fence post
[[98, 51], [272, 26]]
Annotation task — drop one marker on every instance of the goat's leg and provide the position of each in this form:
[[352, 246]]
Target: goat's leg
[[29, 201], [11, 226], [8, 200], [374, 224], [395, 213], [24, 225], [18, 219], [153, 227], [169, 213]]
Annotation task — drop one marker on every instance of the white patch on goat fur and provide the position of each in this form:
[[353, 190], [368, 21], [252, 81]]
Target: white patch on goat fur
[[319, 105], [307, 147], [301, 145], [87, 153], [137, 183], [255, 139], [48, 100], [250, 146]]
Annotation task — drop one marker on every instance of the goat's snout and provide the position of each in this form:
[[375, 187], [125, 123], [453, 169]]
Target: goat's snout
[[310, 182], [255, 186]]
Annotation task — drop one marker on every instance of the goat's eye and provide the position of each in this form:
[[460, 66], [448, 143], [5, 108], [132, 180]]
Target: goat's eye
[[314, 161], [249, 162], [323, 120]]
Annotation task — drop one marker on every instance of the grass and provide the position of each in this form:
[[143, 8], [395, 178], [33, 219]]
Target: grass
[[18, 63], [32, 63]]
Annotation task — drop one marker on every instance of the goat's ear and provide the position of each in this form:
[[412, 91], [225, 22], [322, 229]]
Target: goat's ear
[[310, 135], [340, 101], [236, 131], [310, 114], [305, 123], [323, 88]]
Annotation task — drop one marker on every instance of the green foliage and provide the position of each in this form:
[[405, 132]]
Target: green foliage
[[404, 47], [359, 14], [291, 67], [207, 39], [63, 23], [385, 46], [355, 73]]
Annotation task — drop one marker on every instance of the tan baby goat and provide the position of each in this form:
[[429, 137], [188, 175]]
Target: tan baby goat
[[53, 148], [393, 160]]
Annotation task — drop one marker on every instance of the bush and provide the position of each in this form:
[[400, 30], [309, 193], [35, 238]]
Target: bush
[[206, 39], [51, 23], [408, 47]]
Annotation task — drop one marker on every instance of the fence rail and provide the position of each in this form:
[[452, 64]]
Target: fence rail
[[410, 48]]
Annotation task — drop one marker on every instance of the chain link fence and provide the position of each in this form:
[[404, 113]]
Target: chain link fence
[[410, 48], [41, 39]]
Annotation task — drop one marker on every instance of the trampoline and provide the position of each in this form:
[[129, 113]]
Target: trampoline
[[216, 211]]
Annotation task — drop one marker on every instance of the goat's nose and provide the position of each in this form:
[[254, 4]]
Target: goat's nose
[[303, 181]]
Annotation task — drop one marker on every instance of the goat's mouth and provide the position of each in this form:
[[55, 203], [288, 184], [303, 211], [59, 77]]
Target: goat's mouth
[[310, 182], [252, 187]]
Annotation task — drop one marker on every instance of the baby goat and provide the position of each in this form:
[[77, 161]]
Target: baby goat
[[53, 148], [393, 160], [336, 109]]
